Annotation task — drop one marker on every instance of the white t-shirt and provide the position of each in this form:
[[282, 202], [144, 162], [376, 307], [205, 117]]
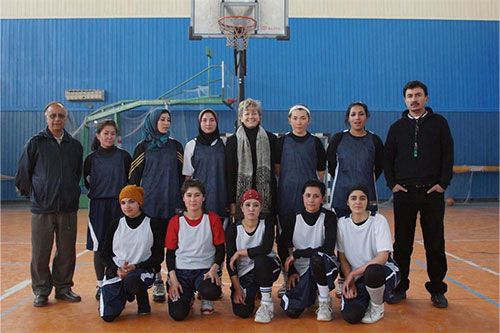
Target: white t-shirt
[[362, 243]]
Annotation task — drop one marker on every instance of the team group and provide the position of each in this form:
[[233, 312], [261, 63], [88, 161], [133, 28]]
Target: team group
[[229, 200]]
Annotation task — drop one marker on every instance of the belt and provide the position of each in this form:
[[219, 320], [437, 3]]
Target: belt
[[418, 186]]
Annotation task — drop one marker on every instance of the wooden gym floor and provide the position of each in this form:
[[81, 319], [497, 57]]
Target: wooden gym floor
[[472, 241]]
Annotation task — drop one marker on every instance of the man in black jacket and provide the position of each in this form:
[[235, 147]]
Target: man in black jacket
[[48, 174], [418, 166]]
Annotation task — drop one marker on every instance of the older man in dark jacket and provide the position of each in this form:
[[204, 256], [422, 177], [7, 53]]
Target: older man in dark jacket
[[48, 174]]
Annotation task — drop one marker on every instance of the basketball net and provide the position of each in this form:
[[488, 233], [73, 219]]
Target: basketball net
[[237, 30]]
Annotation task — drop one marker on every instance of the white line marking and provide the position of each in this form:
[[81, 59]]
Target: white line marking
[[467, 261], [26, 283]]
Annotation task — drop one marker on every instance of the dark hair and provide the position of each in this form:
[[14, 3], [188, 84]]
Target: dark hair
[[358, 187], [363, 105], [413, 85], [100, 126], [315, 183], [192, 183]]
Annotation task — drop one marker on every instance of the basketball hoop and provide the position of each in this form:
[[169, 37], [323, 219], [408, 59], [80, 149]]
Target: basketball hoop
[[237, 28]]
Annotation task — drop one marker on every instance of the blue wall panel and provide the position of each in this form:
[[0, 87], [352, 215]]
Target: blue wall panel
[[327, 64]]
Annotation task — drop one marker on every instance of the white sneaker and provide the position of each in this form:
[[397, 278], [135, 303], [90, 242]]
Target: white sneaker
[[158, 291], [340, 285], [207, 307], [265, 313], [282, 290], [374, 313], [324, 311]]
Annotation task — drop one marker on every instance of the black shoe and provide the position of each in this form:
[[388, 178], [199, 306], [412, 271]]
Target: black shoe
[[439, 300], [68, 296], [396, 296], [41, 300], [98, 293], [143, 307]]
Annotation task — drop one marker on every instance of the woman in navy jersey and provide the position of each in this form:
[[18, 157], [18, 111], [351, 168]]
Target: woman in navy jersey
[[195, 252], [132, 250], [105, 173], [364, 243], [205, 160], [251, 261], [291, 166], [306, 246], [355, 156], [157, 166]]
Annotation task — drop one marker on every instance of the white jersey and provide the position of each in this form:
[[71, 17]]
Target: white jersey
[[132, 245], [246, 241], [362, 243], [306, 236], [195, 245]]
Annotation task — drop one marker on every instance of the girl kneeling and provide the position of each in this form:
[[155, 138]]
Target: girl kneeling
[[132, 249], [251, 260], [195, 251], [364, 243], [308, 243]]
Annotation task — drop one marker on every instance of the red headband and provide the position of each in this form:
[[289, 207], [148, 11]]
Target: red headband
[[251, 194]]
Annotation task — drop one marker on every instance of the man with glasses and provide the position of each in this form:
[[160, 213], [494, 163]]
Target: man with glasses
[[48, 174], [418, 166]]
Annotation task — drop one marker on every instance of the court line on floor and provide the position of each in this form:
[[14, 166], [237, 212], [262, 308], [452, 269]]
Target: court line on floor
[[464, 287], [23, 284], [16, 306], [466, 261]]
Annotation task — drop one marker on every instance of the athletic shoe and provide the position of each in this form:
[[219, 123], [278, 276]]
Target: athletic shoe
[[396, 297], [265, 313], [98, 293], [158, 291], [324, 311], [207, 307], [439, 301], [282, 290], [340, 286], [373, 313]]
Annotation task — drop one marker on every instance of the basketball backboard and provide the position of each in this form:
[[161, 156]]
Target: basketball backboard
[[271, 16]]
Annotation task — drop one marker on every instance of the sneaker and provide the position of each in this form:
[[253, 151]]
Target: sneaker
[[324, 311], [396, 296], [207, 307], [265, 313], [373, 313], [158, 291], [282, 290], [439, 301], [340, 286], [98, 293]]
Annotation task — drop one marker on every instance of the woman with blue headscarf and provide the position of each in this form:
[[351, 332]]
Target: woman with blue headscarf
[[157, 167]]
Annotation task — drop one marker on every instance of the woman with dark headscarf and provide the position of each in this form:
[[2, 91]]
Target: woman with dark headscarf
[[157, 167], [204, 159]]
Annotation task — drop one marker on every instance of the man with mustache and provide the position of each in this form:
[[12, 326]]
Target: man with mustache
[[418, 166], [48, 174]]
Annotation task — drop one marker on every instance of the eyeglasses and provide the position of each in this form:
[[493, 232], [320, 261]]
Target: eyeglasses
[[58, 115]]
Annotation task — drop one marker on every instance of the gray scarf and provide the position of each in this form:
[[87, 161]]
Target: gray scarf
[[245, 168]]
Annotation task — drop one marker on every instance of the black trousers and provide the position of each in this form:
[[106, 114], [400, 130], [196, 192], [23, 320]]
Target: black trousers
[[431, 208]]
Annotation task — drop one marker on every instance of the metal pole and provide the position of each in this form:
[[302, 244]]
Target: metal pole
[[241, 76]]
